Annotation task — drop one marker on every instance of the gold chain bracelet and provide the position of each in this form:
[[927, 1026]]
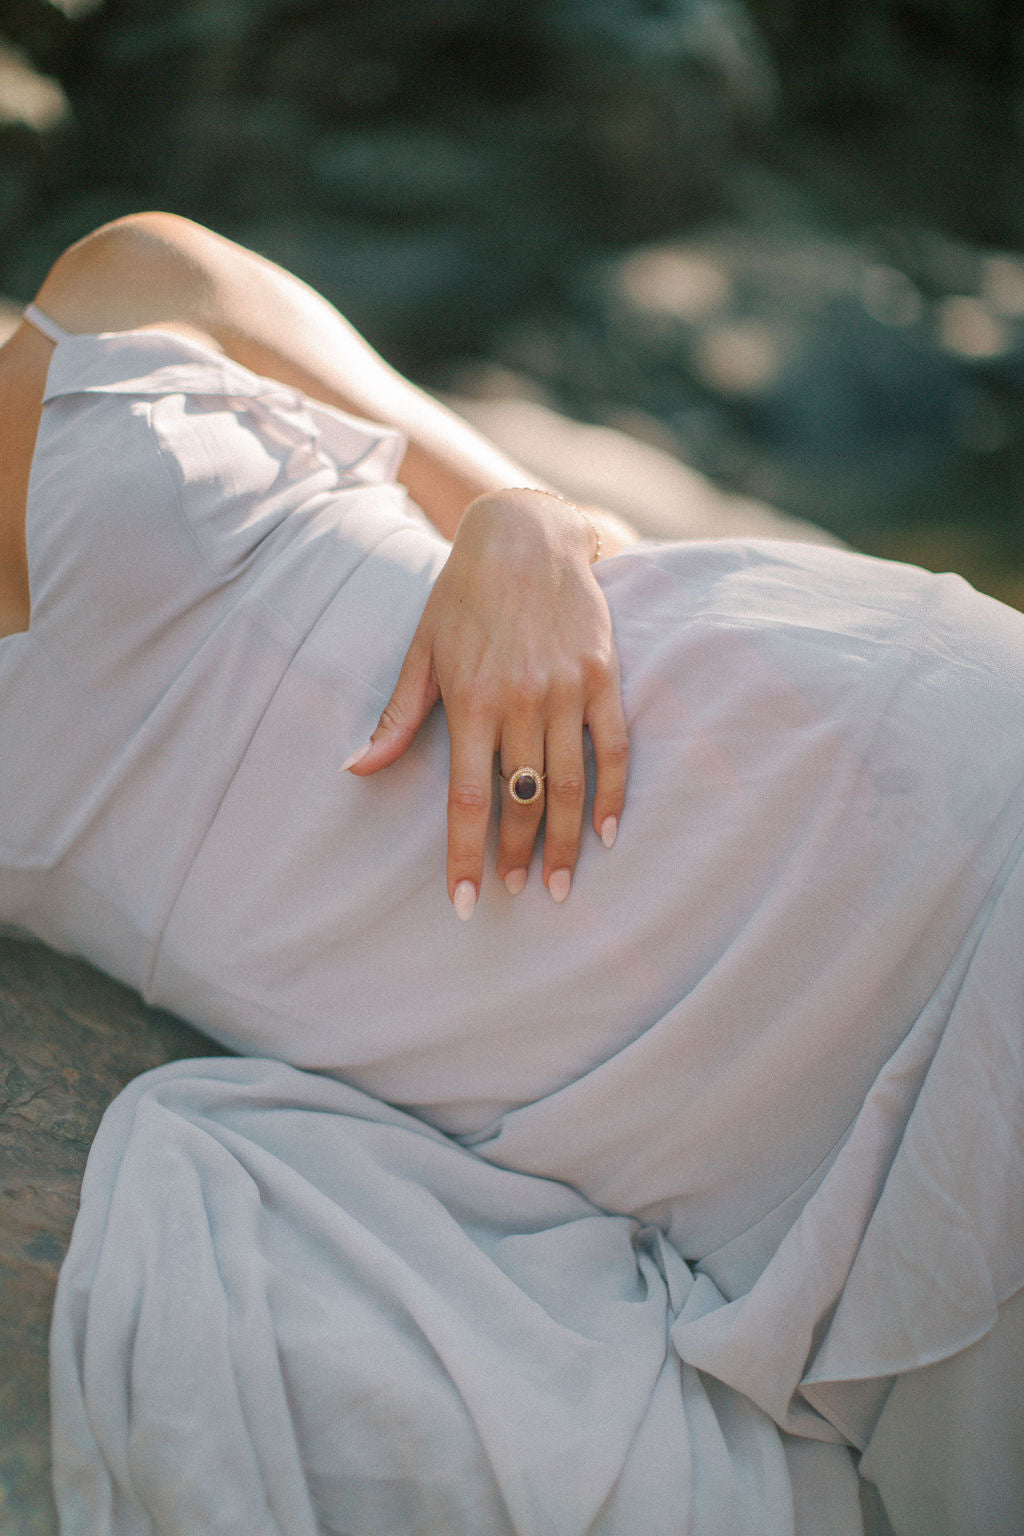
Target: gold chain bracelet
[[566, 502]]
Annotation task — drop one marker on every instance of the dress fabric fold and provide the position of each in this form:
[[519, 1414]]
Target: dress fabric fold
[[650, 1213], [334, 1318]]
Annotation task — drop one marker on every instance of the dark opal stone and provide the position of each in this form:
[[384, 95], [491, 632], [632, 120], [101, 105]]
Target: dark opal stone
[[526, 787]]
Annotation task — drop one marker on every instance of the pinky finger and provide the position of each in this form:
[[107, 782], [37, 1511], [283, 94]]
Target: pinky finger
[[611, 760]]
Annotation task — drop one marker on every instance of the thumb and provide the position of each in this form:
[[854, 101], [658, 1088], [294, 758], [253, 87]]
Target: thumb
[[415, 695]]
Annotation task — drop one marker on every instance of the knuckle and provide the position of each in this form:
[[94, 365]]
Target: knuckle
[[467, 795], [392, 716], [567, 784], [528, 692], [595, 667], [615, 749]]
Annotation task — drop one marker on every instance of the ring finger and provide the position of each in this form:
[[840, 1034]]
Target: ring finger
[[522, 806]]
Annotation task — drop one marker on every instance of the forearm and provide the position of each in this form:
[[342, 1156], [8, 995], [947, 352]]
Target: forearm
[[158, 269], [301, 340], [286, 330], [294, 335]]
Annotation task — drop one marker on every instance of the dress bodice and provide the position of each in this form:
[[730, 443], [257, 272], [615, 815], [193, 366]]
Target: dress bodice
[[189, 524]]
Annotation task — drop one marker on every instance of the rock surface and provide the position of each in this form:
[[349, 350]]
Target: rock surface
[[69, 1040]]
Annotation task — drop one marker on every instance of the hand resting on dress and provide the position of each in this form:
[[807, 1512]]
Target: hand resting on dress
[[516, 640]]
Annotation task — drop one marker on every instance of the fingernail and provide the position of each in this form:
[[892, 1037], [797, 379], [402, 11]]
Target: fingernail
[[355, 757], [609, 830], [558, 884], [515, 880], [464, 899]]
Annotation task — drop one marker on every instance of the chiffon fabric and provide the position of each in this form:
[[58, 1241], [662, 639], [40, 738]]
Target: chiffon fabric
[[693, 1205]]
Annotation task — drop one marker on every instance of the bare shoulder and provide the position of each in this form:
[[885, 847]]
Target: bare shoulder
[[148, 270]]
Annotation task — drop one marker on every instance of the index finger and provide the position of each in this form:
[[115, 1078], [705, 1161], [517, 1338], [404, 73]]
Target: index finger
[[470, 785]]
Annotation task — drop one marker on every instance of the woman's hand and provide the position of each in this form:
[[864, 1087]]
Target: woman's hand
[[516, 640]]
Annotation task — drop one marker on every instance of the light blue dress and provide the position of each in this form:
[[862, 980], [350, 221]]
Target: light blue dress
[[618, 1217]]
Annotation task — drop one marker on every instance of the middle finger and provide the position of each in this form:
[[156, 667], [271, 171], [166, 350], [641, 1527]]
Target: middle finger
[[522, 766]]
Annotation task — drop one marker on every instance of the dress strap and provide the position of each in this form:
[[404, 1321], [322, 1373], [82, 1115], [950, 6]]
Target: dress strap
[[43, 323]]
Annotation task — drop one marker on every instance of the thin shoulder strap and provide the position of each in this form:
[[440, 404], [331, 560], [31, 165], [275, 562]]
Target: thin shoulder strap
[[43, 323]]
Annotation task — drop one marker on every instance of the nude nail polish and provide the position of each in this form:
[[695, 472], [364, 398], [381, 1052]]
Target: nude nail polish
[[355, 757], [609, 830], [464, 899], [558, 884], [515, 880]]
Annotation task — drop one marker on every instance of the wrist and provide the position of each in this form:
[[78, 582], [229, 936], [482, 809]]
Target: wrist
[[524, 501]]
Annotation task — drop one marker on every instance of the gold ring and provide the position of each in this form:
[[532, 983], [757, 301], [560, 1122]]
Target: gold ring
[[525, 784]]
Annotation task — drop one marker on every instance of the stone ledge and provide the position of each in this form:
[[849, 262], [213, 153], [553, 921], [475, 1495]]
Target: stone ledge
[[70, 1039], [660, 495]]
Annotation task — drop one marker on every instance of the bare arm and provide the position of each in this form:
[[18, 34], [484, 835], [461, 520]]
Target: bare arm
[[157, 269]]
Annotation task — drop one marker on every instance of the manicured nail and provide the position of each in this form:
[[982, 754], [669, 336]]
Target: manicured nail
[[355, 757], [515, 880], [609, 830], [464, 899], [558, 884]]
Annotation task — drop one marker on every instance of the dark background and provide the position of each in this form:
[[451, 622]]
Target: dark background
[[778, 237]]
